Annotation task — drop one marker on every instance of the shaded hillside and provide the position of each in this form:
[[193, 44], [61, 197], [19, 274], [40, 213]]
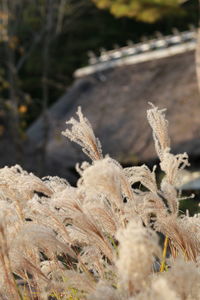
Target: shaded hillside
[[115, 102]]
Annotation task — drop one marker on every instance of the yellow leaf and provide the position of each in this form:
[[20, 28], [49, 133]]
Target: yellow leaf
[[22, 109]]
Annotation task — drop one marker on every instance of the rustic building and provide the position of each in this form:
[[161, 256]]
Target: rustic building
[[115, 101]]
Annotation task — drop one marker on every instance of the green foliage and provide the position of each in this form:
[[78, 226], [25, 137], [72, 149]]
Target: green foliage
[[143, 10]]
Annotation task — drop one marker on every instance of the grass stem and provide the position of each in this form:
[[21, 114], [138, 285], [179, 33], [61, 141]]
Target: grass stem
[[163, 262]]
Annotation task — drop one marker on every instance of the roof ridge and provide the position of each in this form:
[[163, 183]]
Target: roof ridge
[[163, 46]]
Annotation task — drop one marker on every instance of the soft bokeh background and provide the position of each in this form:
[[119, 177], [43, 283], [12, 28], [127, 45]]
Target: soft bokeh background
[[42, 44]]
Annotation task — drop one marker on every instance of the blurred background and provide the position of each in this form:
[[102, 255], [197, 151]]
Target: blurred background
[[111, 57]]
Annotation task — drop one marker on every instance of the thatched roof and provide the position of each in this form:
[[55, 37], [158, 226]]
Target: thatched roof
[[115, 101]]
